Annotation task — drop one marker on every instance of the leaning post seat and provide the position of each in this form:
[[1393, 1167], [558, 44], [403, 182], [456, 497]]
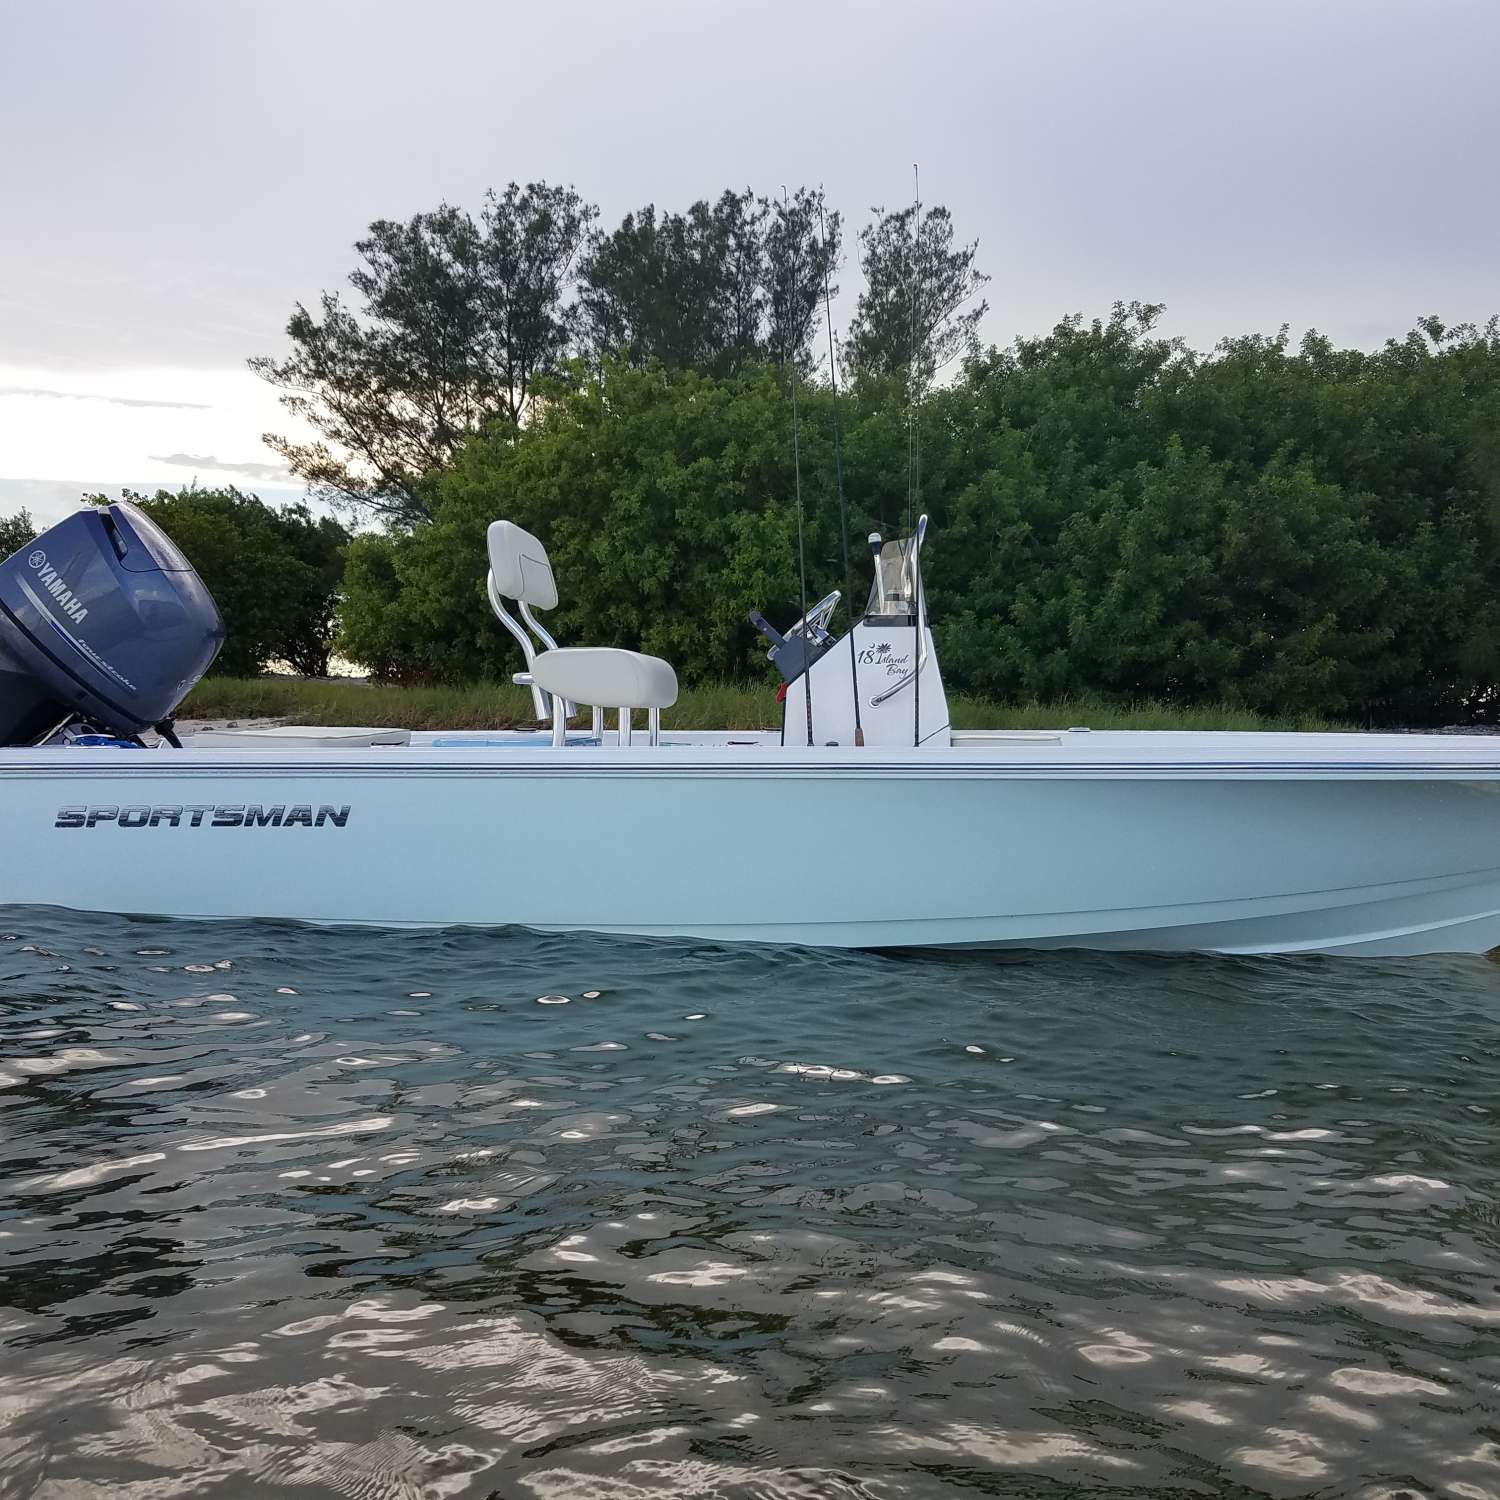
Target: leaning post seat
[[520, 565], [521, 570], [609, 677], [600, 676]]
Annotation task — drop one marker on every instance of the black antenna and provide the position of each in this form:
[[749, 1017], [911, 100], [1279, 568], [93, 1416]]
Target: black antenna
[[916, 386], [838, 469], [789, 356], [914, 291], [914, 493]]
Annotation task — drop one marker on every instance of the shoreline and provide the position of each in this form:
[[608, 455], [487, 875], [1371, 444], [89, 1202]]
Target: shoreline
[[223, 701]]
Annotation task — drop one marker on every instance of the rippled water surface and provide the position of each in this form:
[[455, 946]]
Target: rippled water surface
[[497, 1214]]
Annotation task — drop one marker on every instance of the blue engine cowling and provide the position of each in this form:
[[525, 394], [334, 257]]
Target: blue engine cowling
[[101, 618]]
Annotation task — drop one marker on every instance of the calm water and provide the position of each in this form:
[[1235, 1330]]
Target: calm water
[[494, 1214]]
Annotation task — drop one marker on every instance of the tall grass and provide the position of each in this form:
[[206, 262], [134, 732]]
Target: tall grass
[[472, 706], [722, 705], [1096, 713]]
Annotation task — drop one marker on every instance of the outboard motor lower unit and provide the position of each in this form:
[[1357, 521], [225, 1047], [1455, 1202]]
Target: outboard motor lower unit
[[103, 620]]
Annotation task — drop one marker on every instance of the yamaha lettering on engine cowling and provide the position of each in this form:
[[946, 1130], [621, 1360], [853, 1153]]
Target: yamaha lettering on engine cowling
[[104, 620]]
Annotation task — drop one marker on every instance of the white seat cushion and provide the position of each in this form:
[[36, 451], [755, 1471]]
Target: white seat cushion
[[521, 566], [606, 677]]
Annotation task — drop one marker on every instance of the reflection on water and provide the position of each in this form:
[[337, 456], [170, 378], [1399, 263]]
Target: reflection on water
[[499, 1214]]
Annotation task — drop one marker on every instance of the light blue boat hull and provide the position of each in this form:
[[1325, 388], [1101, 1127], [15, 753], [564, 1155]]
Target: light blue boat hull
[[1252, 844]]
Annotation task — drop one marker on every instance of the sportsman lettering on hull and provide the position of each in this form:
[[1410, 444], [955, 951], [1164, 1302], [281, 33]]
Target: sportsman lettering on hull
[[302, 815]]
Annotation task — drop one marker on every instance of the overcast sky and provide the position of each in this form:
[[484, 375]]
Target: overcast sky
[[175, 174]]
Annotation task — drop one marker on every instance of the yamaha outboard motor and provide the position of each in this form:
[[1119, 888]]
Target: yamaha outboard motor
[[102, 619]]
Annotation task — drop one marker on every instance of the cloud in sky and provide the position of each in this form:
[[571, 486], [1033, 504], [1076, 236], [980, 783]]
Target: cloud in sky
[[1247, 164], [1252, 164], [149, 425], [33, 390], [278, 472]]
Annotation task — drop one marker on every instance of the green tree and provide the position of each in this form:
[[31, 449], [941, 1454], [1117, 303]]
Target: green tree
[[1193, 584], [663, 498], [274, 573], [917, 310], [681, 289], [1284, 527], [803, 248], [16, 531], [717, 289], [1287, 527], [458, 319], [1411, 428]]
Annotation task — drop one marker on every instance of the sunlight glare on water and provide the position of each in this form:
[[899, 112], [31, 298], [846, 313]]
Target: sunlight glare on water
[[500, 1214]]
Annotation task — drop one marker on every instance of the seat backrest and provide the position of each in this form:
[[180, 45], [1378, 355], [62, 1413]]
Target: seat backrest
[[521, 567]]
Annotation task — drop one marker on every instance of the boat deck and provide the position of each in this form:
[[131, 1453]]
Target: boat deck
[[1068, 752], [1062, 751]]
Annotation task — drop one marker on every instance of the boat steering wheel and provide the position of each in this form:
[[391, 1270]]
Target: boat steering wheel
[[815, 622], [813, 626]]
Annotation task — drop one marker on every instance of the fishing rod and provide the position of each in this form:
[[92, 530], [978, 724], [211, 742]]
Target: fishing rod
[[914, 486], [838, 469], [791, 356]]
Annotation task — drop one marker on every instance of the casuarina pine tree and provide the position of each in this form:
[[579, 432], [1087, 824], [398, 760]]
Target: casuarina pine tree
[[457, 320], [918, 309]]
